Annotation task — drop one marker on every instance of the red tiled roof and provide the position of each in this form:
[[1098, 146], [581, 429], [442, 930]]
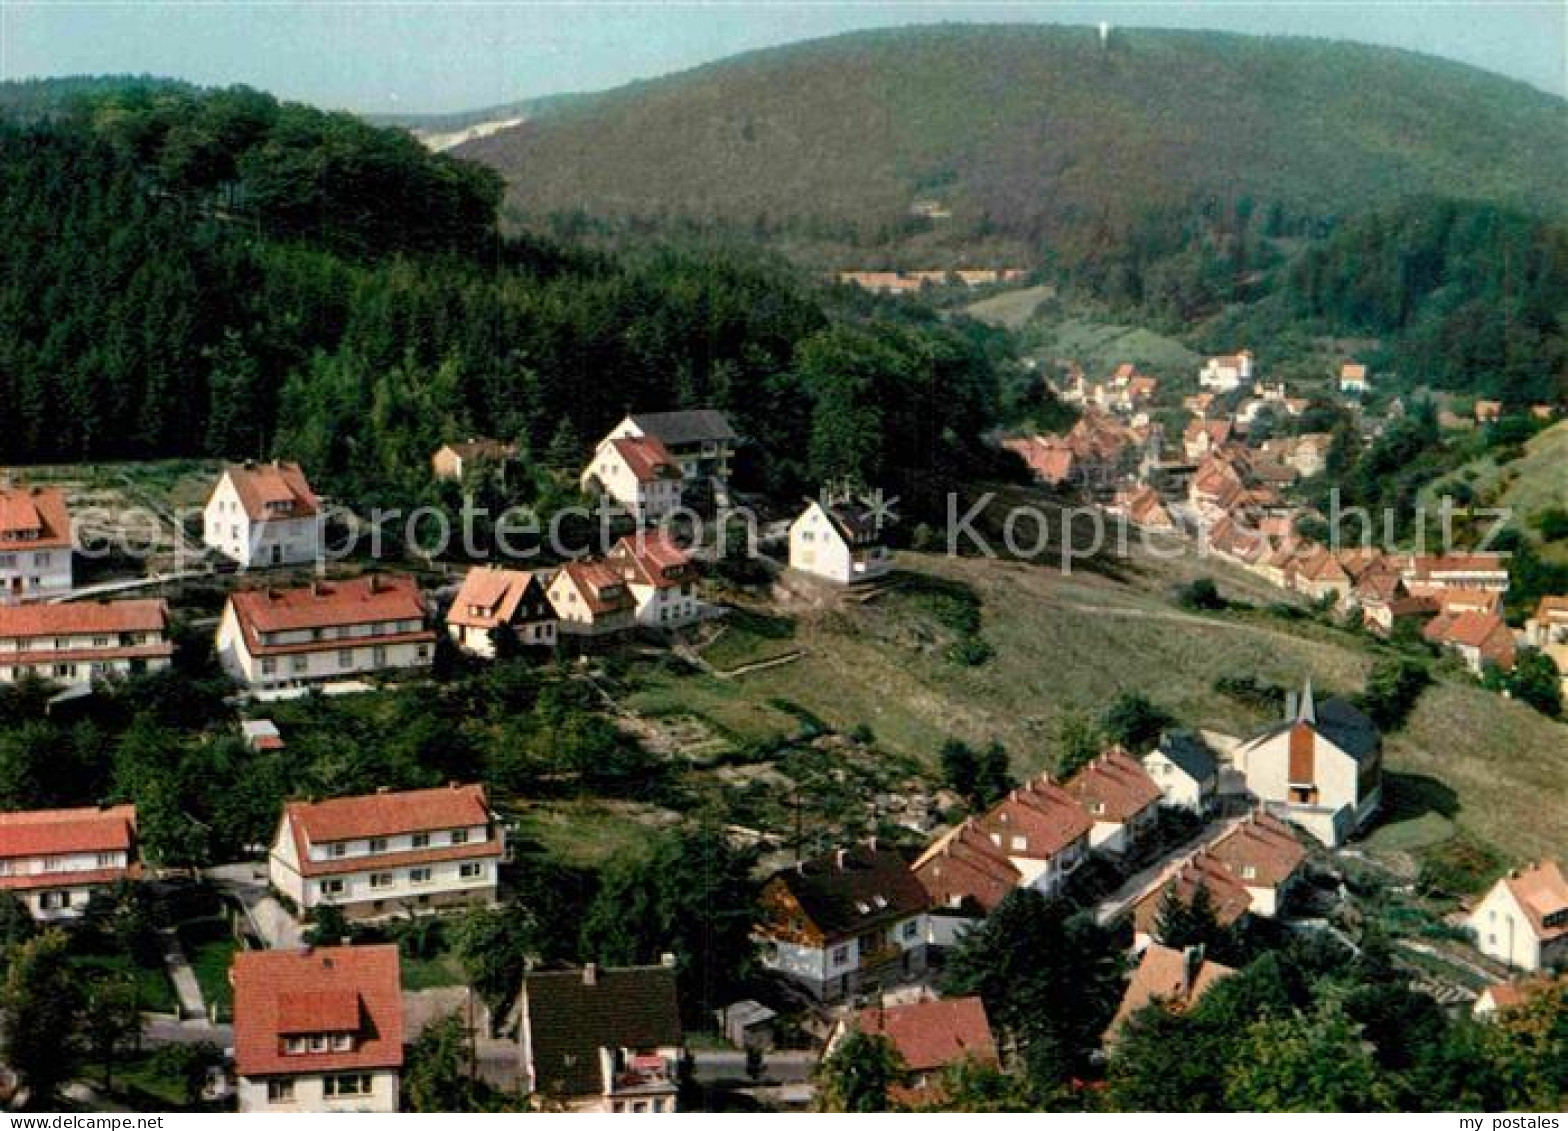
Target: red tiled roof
[[1486, 632], [1115, 782], [652, 558], [1231, 900], [83, 619], [1552, 608], [647, 458], [1045, 815], [1264, 844], [263, 487], [1172, 977], [55, 832], [933, 1034], [1541, 892], [47, 881], [1050, 461], [495, 592], [601, 586], [387, 814], [276, 991], [963, 869], [328, 604], [38, 515]]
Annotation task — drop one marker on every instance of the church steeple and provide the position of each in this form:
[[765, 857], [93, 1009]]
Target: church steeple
[[1307, 709]]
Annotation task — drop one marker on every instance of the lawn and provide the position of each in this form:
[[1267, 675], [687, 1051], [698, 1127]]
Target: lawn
[[209, 947], [746, 636], [588, 832], [443, 969], [154, 990]]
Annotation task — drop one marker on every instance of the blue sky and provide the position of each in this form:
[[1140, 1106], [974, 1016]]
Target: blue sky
[[423, 55]]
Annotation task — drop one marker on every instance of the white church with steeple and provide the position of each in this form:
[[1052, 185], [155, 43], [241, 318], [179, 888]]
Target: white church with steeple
[[1321, 767]]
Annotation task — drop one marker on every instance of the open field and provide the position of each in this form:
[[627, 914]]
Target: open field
[[1011, 310], [1533, 482], [1101, 346]]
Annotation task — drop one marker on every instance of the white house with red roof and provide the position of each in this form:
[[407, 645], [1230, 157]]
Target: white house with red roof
[[702, 440], [491, 600], [930, 1036], [592, 598], [275, 638], [1523, 919], [661, 577], [35, 544], [389, 853], [75, 644], [638, 472], [1120, 797], [54, 860], [318, 1029], [264, 514]]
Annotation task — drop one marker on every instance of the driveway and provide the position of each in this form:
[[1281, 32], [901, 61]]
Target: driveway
[[246, 884]]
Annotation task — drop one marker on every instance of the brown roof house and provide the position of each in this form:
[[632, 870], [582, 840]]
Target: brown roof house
[[845, 921], [1265, 856], [1119, 796], [1523, 919], [1477, 638], [702, 440], [1227, 895], [601, 1039]]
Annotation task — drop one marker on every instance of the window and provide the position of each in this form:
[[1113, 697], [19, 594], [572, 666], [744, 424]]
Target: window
[[1020, 844], [331, 887], [280, 1091], [381, 879], [471, 871], [295, 1045], [318, 1042], [379, 656], [50, 900], [459, 836], [1248, 872], [337, 848], [840, 955], [342, 1042], [345, 657], [378, 844], [419, 840], [269, 666], [911, 929], [108, 860], [351, 1084], [299, 665], [419, 875]]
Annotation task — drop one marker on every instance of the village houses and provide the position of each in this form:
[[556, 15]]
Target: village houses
[[328, 630], [592, 598], [839, 541], [601, 1039], [389, 853], [636, 472], [1354, 380], [845, 921], [318, 1029], [35, 544], [1227, 897], [56, 860], [1265, 857], [1321, 767], [701, 440], [264, 514], [492, 600], [1480, 639], [1523, 920], [76, 643], [1121, 799], [661, 577]]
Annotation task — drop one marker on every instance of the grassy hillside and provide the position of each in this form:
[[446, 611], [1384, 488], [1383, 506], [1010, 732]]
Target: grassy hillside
[[1037, 131], [1071, 643]]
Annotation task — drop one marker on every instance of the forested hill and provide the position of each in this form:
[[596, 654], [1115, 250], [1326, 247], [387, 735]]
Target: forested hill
[[1037, 132], [222, 275]]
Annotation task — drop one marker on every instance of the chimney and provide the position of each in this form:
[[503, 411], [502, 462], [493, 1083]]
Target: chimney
[[1191, 963], [590, 974]]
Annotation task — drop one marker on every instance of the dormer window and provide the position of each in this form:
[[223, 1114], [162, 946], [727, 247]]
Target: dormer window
[[459, 836]]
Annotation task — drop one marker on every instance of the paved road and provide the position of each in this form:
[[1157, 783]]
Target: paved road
[[186, 987]]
